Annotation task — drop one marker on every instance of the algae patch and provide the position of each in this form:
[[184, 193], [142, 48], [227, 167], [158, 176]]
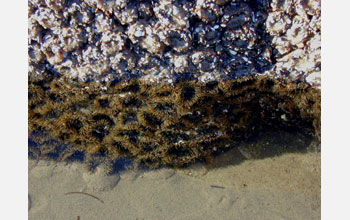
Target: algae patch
[[161, 124]]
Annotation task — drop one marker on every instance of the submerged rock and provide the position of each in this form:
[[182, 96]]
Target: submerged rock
[[168, 82]]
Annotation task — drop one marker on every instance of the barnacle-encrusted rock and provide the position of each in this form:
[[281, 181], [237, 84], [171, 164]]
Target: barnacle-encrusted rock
[[295, 29], [168, 82]]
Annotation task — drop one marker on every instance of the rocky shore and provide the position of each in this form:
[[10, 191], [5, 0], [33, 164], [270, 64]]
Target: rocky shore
[[168, 82]]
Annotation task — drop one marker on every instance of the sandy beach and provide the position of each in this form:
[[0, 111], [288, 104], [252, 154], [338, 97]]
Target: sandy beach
[[280, 187]]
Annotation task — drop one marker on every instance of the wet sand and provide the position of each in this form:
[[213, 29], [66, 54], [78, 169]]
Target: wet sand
[[280, 187]]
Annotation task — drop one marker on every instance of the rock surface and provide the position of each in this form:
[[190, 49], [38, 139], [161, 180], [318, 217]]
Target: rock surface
[[160, 40], [168, 82]]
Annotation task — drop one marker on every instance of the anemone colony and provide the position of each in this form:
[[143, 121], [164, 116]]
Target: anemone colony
[[167, 82]]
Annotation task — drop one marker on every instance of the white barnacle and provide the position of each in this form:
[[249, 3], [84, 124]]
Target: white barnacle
[[139, 33], [284, 117], [232, 52]]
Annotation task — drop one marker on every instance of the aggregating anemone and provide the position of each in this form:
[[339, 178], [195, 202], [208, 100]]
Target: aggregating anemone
[[168, 82]]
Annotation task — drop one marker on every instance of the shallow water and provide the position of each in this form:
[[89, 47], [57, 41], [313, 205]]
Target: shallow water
[[280, 181]]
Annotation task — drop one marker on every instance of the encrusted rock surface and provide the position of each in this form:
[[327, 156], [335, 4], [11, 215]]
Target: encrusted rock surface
[[206, 39], [140, 78], [295, 27]]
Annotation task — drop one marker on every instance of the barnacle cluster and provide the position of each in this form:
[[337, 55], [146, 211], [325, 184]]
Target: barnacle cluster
[[167, 82], [208, 39], [295, 30]]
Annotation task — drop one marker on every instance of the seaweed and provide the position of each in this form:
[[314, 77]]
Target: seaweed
[[159, 124]]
